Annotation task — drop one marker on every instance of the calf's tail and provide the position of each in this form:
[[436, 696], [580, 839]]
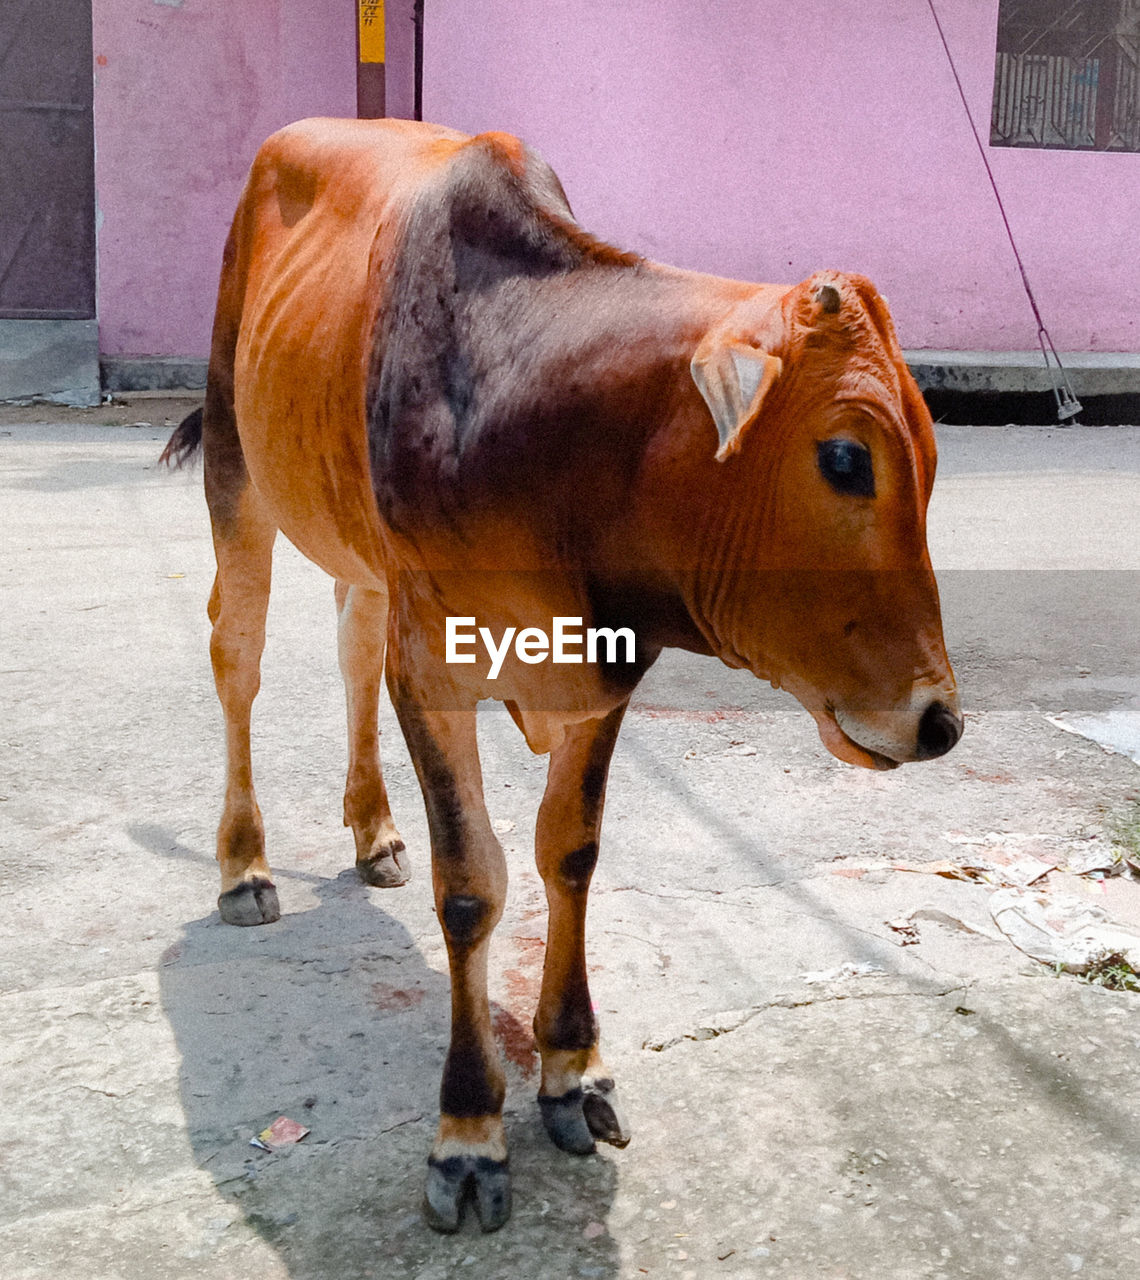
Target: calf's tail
[[184, 442]]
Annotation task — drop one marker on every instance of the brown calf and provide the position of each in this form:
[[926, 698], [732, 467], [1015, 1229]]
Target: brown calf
[[460, 405]]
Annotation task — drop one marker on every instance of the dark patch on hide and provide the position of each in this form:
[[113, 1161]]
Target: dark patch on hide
[[577, 866], [437, 781], [463, 917], [574, 1026], [466, 1090], [455, 369]]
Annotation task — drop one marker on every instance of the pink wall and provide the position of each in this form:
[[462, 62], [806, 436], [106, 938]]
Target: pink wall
[[755, 138], [764, 139], [185, 90]]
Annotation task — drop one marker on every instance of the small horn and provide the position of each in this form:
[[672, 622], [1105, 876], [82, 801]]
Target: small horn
[[827, 296]]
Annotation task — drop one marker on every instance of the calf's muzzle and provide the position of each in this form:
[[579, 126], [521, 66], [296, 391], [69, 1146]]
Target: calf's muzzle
[[938, 730]]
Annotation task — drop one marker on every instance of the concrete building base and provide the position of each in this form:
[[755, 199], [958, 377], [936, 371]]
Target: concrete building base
[[1092, 373], [54, 360], [57, 360], [1017, 372], [153, 373]]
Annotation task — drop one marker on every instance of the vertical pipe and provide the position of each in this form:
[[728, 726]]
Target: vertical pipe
[[418, 19], [371, 101]]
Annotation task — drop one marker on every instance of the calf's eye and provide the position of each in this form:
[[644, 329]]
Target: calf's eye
[[846, 466]]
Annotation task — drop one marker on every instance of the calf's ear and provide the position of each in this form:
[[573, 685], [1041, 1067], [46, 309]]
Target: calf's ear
[[734, 379]]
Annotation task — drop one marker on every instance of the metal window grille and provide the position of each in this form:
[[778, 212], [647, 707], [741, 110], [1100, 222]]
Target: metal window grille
[[1067, 75]]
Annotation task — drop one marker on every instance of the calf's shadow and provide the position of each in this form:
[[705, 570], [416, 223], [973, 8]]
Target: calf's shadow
[[332, 1017]]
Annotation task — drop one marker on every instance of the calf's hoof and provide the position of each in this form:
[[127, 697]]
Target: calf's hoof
[[385, 869], [455, 1180], [251, 902], [582, 1117]]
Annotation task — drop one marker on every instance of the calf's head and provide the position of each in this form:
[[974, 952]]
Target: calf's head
[[811, 566]]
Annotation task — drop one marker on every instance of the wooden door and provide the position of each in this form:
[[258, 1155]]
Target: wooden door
[[47, 161]]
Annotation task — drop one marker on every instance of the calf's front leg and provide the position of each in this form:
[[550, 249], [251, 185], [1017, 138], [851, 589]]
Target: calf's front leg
[[469, 877], [576, 1096]]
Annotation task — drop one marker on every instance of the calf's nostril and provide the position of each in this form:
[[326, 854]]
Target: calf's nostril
[[938, 730]]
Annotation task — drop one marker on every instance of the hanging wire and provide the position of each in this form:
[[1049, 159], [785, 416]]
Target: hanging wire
[[1068, 406]]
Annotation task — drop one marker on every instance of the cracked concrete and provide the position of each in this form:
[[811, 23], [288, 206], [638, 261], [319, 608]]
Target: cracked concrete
[[964, 1113]]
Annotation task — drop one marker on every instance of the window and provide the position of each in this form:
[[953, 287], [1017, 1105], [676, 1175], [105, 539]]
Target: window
[[1067, 75]]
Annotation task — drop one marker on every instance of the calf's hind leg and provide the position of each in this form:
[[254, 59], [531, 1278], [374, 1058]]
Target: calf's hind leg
[[577, 1097], [243, 544], [362, 624]]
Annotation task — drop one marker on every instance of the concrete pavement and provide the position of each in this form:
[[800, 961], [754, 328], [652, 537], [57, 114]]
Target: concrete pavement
[[941, 1109]]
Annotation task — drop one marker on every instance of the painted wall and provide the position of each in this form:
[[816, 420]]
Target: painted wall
[[764, 139], [185, 91], [755, 138]]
